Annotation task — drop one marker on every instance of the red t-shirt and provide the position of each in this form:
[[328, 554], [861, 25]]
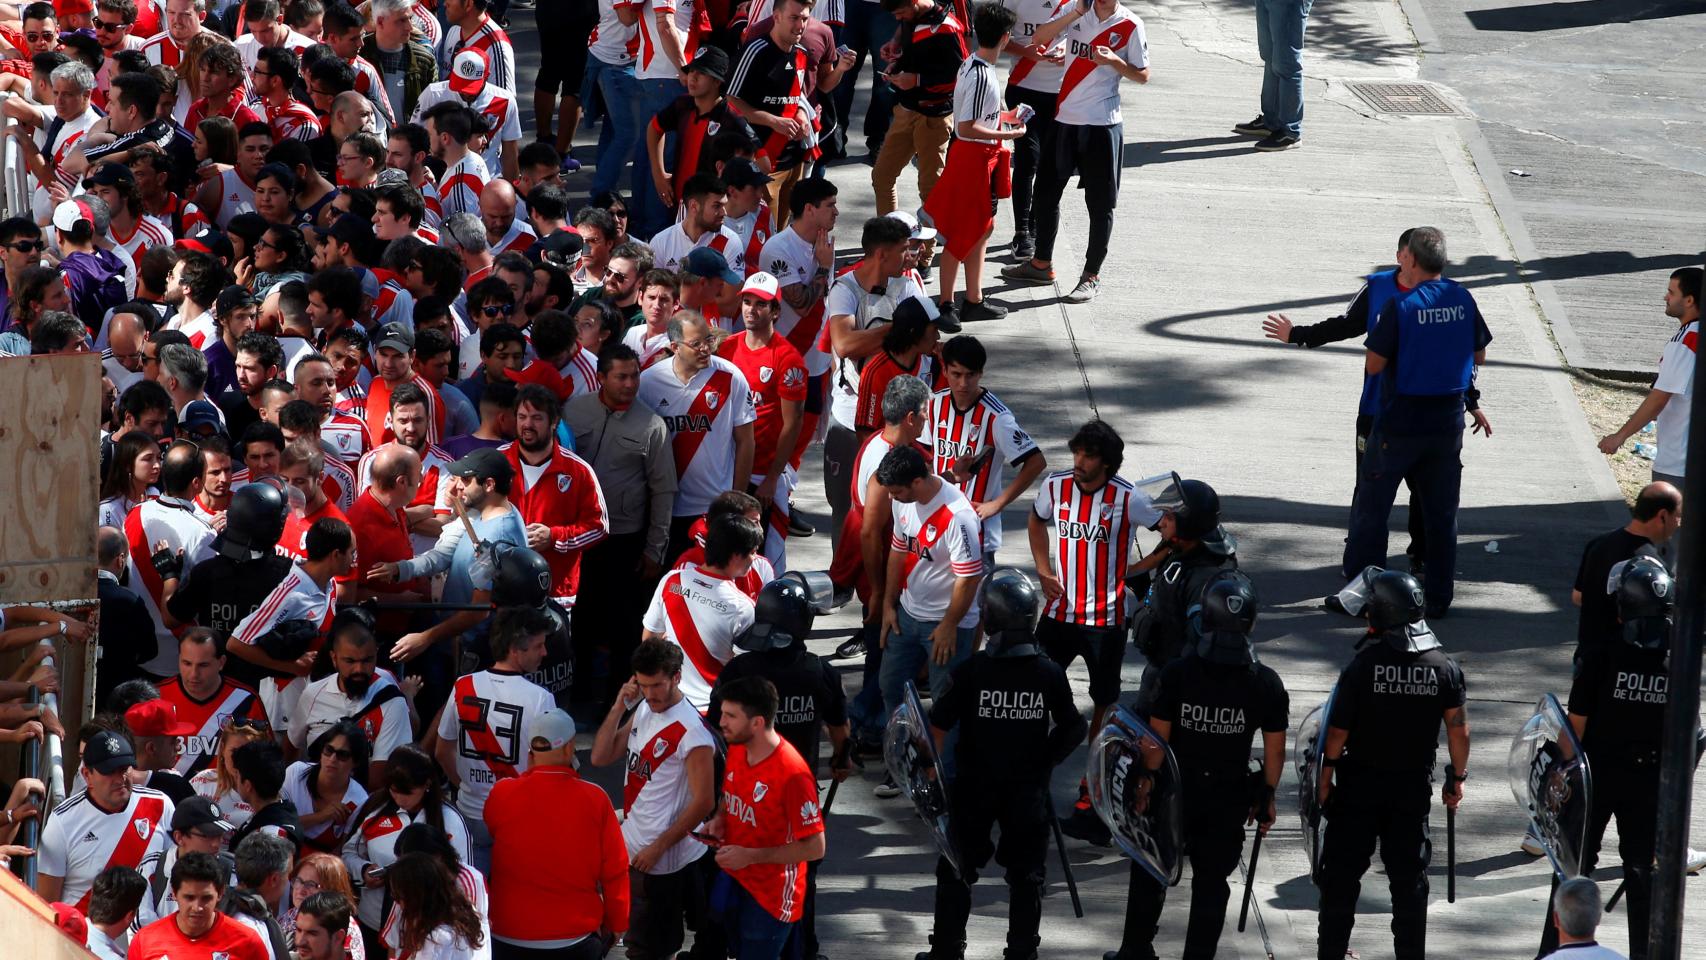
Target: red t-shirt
[[228, 939], [381, 536], [776, 374], [294, 540], [873, 380], [768, 805]]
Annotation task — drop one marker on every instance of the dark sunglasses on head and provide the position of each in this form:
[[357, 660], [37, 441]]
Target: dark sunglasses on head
[[498, 309]]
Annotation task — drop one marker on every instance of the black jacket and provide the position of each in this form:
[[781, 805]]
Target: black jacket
[[126, 635]]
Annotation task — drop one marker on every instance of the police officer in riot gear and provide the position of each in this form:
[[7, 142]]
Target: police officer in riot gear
[[1617, 708], [809, 695], [1197, 548], [1381, 740], [522, 578], [1209, 708], [1016, 718], [221, 591]]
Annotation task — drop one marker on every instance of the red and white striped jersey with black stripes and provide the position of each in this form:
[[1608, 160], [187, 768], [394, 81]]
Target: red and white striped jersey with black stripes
[[952, 433], [297, 597], [702, 614], [941, 541], [1091, 542]]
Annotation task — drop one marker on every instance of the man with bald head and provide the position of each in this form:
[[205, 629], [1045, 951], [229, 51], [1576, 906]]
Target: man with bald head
[[165, 537], [504, 230], [381, 526], [1654, 521], [122, 360], [351, 114], [125, 633]]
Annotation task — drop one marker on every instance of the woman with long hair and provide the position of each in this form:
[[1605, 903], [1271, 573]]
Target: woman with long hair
[[434, 920], [219, 781], [413, 792], [40, 289], [279, 256], [216, 142], [132, 477], [325, 786], [321, 873], [420, 838]]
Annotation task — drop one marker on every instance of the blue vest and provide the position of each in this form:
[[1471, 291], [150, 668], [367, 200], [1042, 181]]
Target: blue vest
[[1436, 340], [1382, 290]]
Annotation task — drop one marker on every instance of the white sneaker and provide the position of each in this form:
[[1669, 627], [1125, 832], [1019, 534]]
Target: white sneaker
[[1531, 845], [888, 789], [1696, 860]]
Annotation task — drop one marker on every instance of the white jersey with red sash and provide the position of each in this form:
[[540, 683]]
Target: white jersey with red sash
[[792, 260], [144, 233], [1089, 93], [486, 37], [580, 372], [173, 523], [518, 237], [459, 188], [65, 138], [347, 434], [753, 231], [702, 415], [197, 750], [1090, 542], [380, 710], [80, 839], [487, 718], [297, 597], [235, 196], [651, 63], [371, 85], [434, 206], [939, 537], [656, 787], [496, 106], [374, 843], [671, 245], [1034, 74], [702, 614]]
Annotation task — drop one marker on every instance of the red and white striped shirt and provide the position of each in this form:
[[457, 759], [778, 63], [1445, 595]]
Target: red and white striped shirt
[[144, 233], [487, 718], [951, 433], [690, 19], [371, 85], [347, 434], [422, 19], [81, 840], [562, 493], [519, 237], [294, 120], [496, 106], [434, 206], [488, 38], [940, 539], [580, 372], [1089, 93], [702, 614], [459, 188], [197, 750], [1090, 544]]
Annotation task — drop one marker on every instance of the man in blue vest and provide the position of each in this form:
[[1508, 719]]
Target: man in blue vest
[[1424, 350], [1378, 289]]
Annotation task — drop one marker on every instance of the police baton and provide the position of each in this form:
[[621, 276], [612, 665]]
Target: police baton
[[1616, 895], [835, 762], [1452, 780], [1250, 879], [1065, 864]]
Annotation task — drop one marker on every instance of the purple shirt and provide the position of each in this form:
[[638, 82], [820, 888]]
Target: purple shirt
[[459, 447]]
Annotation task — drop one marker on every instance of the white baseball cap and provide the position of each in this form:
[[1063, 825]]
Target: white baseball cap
[[551, 730], [69, 212], [468, 73], [919, 232], [761, 285]]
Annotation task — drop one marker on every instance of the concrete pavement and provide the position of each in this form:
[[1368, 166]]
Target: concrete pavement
[[1211, 237]]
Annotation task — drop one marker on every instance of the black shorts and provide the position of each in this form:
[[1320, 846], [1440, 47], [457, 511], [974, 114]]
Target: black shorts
[[1103, 650], [563, 35]]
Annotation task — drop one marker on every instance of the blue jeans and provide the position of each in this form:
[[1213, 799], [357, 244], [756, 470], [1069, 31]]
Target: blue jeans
[[908, 649], [647, 215], [1279, 41], [868, 28], [1433, 466], [618, 89], [753, 933]]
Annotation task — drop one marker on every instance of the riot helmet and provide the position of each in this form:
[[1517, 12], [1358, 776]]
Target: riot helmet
[[1645, 595], [1199, 515], [1395, 609], [520, 577], [1009, 601], [782, 616], [1228, 611], [253, 522]]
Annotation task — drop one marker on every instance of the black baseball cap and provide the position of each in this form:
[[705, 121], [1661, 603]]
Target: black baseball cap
[[109, 175], [199, 813], [483, 464], [108, 753], [232, 297], [396, 336], [347, 228], [741, 172]]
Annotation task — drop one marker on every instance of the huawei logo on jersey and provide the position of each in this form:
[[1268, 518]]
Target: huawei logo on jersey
[[793, 377], [778, 268]]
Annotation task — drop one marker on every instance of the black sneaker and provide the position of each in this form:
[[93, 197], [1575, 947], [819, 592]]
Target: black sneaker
[[1438, 611], [980, 311], [1275, 142], [1086, 826], [1024, 246], [853, 646], [1255, 128], [948, 317], [797, 527]]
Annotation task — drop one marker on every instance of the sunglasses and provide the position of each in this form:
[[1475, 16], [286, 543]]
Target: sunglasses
[[615, 275], [498, 309], [246, 723], [39, 37], [28, 246], [333, 753], [106, 27]]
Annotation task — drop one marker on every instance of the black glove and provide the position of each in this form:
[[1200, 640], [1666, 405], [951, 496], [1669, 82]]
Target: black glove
[[169, 564], [289, 639]]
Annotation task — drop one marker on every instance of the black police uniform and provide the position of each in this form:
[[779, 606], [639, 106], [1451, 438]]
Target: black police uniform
[[219, 593], [1215, 711], [1163, 629], [1004, 702], [1622, 691], [1391, 702]]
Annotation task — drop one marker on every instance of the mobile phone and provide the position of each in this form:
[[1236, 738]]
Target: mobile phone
[[843, 50], [1023, 114], [706, 839]]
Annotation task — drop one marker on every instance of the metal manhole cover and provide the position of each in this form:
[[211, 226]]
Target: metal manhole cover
[[1413, 99]]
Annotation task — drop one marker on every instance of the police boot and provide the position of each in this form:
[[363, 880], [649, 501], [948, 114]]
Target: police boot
[[1023, 952], [943, 950]]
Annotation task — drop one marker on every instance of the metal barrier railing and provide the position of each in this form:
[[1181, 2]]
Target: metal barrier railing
[[15, 195]]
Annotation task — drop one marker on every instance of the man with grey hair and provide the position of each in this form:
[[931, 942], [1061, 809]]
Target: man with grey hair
[[183, 372], [704, 401], [264, 862], [464, 233], [72, 118], [58, 332], [1425, 348], [1575, 913]]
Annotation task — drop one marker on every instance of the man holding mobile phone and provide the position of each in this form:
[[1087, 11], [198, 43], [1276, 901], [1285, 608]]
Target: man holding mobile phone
[[924, 61], [1105, 43]]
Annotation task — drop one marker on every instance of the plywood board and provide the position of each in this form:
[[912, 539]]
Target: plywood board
[[28, 925], [49, 461]]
